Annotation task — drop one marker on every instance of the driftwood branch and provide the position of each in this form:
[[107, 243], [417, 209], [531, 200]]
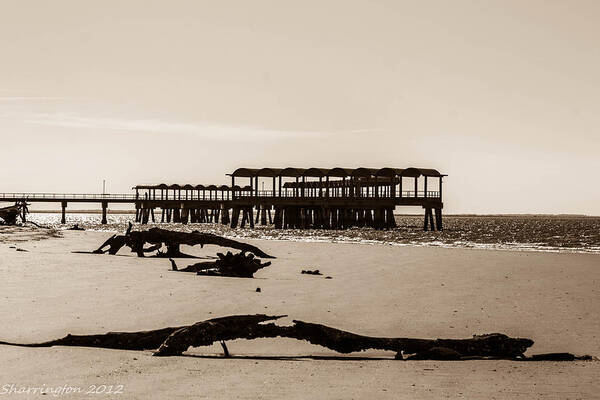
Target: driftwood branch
[[76, 227], [143, 340], [239, 265], [176, 340], [10, 214], [156, 237], [109, 242], [311, 272], [194, 267]]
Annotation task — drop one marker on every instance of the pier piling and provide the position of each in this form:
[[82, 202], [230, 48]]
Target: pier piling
[[104, 208], [63, 219]]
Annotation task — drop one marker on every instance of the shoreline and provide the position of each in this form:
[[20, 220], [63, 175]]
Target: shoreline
[[255, 234]]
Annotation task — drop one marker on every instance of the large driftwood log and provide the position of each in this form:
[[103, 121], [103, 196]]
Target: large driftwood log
[[9, 214], [156, 237], [175, 341], [251, 327], [239, 265]]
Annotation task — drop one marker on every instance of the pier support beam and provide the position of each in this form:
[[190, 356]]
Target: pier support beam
[[438, 218], [245, 217], [235, 217], [104, 207], [278, 217], [225, 216], [185, 215], [63, 219], [145, 215], [390, 220], [368, 217], [263, 215], [360, 221], [429, 219]]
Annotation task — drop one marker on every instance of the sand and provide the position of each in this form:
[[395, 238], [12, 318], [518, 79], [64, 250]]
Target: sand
[[376, 290]]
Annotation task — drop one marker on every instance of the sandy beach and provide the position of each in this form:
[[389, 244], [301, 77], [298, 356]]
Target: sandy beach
[[378, 290]]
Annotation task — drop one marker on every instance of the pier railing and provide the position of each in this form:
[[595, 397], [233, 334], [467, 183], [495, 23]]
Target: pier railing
[[66, 196], [333, 194], [218, 195]]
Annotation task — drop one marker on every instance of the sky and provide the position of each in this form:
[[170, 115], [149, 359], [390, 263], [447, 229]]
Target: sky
[[503, 96]]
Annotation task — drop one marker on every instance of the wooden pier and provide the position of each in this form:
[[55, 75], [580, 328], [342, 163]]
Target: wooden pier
[[294, 198]]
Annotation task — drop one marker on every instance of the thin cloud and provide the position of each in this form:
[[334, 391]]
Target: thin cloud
[[29, 98], [70, 120], [150, 125]]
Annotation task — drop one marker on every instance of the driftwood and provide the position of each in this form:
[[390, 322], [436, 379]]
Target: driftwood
[[115, 243], [251, 327], [239, 265], [311, 272], [156, 237], [37, 225], [174, 341], [143, 340], [9, 214], [189, 268]]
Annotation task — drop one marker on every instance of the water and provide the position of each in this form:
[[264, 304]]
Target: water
[[531, 233]]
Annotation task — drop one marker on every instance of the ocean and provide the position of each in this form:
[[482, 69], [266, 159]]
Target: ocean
[[573, 234]]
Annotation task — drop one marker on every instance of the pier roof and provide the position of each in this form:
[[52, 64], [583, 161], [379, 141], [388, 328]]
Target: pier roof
[[269, 172], [338, 172]]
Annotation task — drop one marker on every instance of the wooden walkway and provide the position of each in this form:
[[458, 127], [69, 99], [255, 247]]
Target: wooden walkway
[[297, 199]]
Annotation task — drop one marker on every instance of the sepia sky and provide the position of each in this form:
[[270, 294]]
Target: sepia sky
[[503, 96]]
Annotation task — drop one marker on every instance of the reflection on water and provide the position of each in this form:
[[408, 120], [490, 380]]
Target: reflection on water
[[537, 233]]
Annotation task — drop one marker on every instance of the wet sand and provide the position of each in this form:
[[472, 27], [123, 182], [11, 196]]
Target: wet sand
[[376, 290]]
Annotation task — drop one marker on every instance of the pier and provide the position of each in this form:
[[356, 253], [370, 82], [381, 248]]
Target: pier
[[287, 198]]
